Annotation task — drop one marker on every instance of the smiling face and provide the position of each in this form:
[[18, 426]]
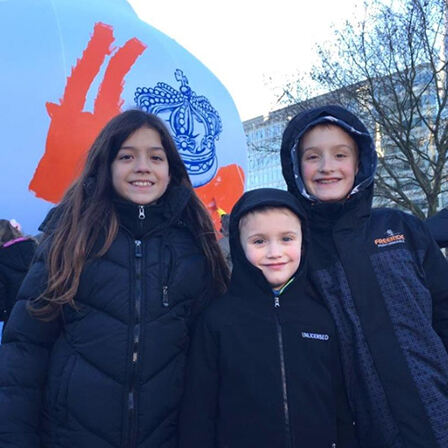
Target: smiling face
[[140, 171], [272, 241], [329, 162]]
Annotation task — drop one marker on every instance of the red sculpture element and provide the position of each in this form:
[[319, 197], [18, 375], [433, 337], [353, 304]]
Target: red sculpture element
[[222, 191], [72, 131]]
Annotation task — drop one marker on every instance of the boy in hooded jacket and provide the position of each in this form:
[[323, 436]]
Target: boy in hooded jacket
[[264, 368], [383, 278]]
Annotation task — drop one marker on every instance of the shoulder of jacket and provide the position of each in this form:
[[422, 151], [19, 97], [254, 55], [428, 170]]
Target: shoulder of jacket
[[394, 214]]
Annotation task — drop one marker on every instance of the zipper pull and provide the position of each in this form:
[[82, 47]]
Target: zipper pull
[[138, 249], [276, 302], [165, 302], [141, 212]]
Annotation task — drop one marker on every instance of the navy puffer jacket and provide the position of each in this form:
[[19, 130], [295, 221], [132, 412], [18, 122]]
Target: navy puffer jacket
[[385, 282], [15, 260], [110, 373]]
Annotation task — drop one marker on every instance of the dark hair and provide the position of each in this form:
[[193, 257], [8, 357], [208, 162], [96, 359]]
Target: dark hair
[[8, 232], [87, 212]]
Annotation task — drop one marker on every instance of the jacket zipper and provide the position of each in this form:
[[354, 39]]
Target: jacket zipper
[[132, 428], [141, 216], [283, 373], [166, 278]]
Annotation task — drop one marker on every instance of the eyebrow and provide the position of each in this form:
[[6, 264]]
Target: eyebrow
[[342, 145], [286, 232], [158, 148]]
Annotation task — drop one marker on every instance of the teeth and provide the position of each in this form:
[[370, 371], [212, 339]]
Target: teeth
[[327, 181], [141, 183]]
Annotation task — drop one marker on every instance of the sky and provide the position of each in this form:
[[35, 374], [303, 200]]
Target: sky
[[247, 43]]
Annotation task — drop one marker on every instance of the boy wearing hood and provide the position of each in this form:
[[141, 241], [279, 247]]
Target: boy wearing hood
[[264, 368], [383, 278]]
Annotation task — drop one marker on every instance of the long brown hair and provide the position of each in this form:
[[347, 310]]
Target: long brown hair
[[86, 213]]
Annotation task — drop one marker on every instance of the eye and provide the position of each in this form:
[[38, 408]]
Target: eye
[[341, 155], [258, 241], [289, 238], [157, 156], [124, 156], [311, 157]]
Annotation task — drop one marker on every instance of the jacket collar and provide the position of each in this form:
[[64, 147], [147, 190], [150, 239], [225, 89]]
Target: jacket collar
[[141, 219]]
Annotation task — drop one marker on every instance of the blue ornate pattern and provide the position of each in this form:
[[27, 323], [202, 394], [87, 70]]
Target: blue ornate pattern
[[193, 121]]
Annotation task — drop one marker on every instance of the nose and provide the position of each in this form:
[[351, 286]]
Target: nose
[[142, 164], [326, 164], [274, 250]]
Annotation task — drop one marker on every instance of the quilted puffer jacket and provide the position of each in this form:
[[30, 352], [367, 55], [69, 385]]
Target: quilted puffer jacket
[[109, 373], [385, 282], [15, 260]]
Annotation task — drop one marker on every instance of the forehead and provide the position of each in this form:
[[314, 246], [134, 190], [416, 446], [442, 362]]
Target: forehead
[[144, 137], [326, 135], [268, 219]]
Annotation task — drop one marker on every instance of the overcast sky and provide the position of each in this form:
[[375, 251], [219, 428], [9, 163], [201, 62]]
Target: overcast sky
[[246, 42]]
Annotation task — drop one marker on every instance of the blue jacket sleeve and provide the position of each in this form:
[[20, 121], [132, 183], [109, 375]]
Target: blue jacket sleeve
[[24, 357], [200, 401]]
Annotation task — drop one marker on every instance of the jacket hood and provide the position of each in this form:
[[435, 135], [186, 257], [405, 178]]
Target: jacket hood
[[243, 271], [338, 116]]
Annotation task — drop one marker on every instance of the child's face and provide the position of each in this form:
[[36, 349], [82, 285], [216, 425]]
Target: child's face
[[329, 162], [140, 171], [272, 241]]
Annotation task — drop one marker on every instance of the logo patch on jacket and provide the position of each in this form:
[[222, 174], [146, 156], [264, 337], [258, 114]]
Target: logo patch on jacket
[[319, 336], [390, 238]]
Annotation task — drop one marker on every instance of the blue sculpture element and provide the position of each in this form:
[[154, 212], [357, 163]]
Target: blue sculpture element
[[194, 123]]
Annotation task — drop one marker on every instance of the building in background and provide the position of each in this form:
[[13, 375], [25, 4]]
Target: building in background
[[264, 137]]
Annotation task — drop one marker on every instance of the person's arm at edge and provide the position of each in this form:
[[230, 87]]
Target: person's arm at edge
[[197, 421], [24, 357]]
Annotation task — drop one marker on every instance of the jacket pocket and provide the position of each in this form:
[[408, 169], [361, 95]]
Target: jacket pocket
[[167, 268], [61, 405]]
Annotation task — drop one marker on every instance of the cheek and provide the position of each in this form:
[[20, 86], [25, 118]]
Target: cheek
[[307, 172], [165, 175], [295, 253], [251, 254], [352, 169], [115, 173]]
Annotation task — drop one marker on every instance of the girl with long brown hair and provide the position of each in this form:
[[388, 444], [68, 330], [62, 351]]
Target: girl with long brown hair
[[94, 351]]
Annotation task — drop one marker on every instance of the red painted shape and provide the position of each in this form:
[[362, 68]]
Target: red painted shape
[[222, 191], [72, 131]]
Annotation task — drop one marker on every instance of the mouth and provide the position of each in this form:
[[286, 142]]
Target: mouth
[[142, 183], [326, 181], [275, 265]]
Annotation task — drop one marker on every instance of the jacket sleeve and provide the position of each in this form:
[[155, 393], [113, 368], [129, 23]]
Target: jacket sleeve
[[438, 226], [24, 356], [199, 406], [435, 267]]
